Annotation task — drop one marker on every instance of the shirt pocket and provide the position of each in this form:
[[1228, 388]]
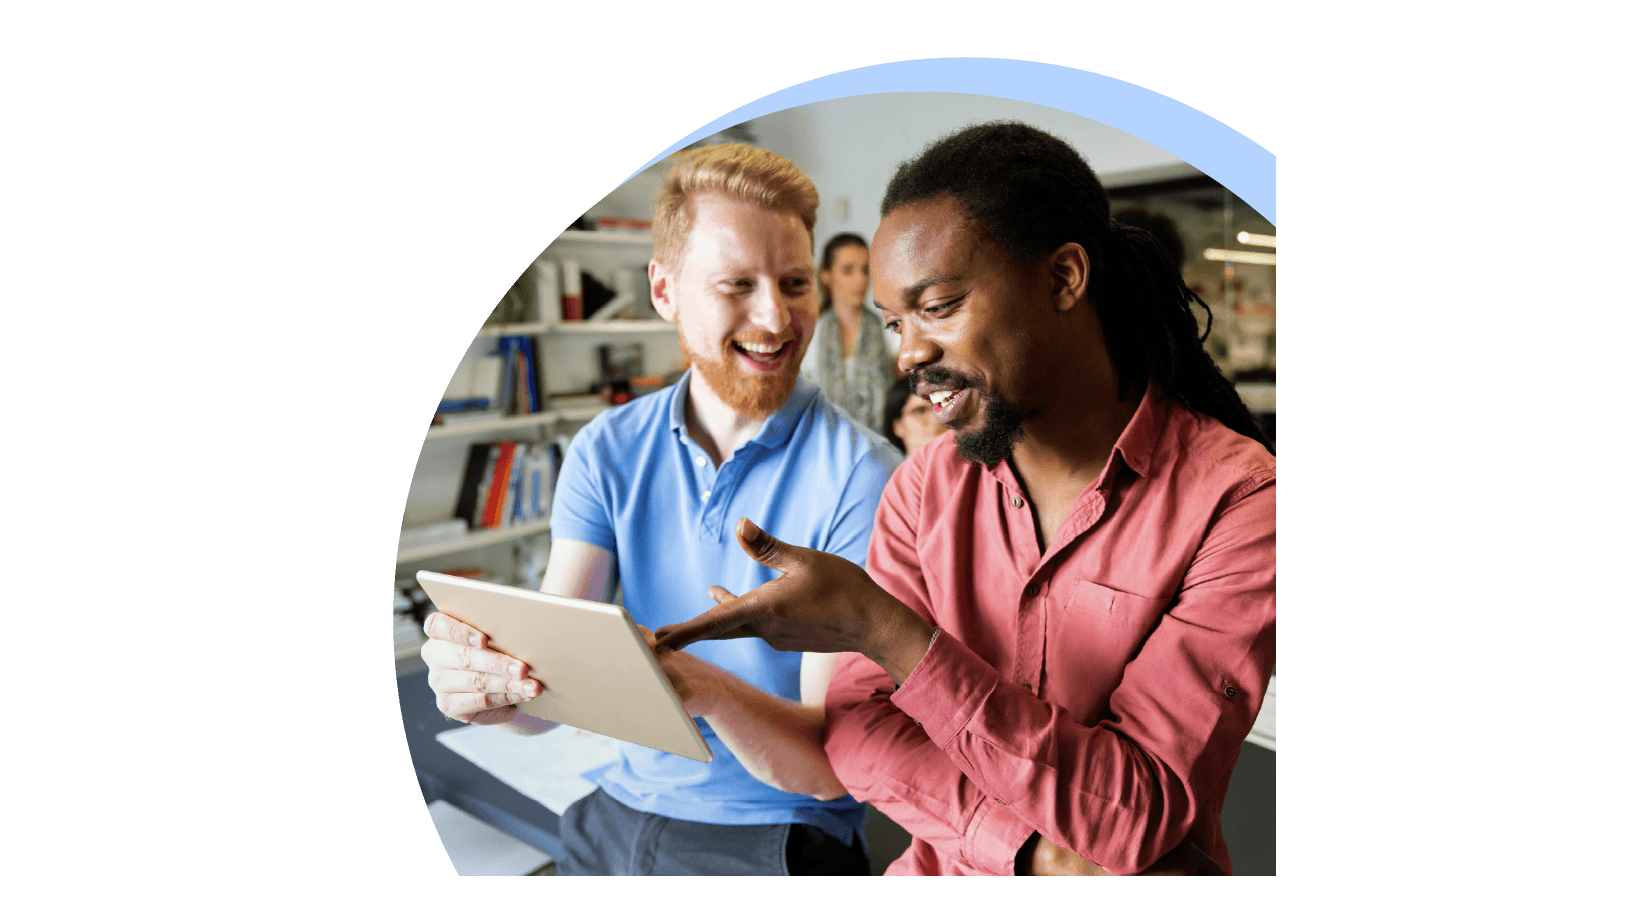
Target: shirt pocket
[[1092, 636], [1088, 599]]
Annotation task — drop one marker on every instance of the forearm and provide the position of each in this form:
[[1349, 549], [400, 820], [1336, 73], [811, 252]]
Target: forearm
[[776, 740], [885, 757], [1122, 800]]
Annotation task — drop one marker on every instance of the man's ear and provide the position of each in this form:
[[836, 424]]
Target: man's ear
[[660, 292], [1069, 268]]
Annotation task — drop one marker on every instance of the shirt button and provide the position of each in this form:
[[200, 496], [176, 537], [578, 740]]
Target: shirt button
[[1031, 590], [1001, 802], [705, 494], [1229, 692], [1017, 502], [700, 460]]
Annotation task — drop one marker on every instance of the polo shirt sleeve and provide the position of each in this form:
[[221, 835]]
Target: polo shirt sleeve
[[850, 533], [884, 756], [579, 509]]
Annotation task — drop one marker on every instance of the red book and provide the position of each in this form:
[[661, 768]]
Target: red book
[[498, 485], [521, 384], [572, 308]]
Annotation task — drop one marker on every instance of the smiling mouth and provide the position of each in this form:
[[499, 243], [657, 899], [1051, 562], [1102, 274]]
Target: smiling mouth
[[945, 402], [765, 355]]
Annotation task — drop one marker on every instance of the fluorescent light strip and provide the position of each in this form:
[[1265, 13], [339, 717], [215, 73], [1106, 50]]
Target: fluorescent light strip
[[1240, 256], [1257, 240]]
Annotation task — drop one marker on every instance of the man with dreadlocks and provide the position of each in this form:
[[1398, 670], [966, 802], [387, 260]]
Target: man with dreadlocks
[[1067, 621]]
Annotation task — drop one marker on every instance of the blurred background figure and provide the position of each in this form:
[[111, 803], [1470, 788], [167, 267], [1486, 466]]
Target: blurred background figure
[[851, 357], [908, 419]]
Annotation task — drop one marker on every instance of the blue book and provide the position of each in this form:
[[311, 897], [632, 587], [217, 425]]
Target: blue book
[[532, 377], [503, 348]]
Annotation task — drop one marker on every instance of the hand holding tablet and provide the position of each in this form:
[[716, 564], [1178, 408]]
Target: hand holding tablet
[[473, 682], [496, 646]]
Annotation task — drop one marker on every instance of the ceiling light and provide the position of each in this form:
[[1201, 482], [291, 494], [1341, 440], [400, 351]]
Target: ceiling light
[[1257, 240], [1240, 256]]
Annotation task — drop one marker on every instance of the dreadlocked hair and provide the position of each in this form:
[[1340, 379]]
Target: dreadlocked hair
[[1032, 192]]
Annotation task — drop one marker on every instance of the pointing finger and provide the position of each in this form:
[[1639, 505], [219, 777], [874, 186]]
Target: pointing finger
[[719, 594], [723, 621]]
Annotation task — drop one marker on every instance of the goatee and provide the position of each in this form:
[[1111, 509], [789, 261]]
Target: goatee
[[748, 394], [1002, 426]]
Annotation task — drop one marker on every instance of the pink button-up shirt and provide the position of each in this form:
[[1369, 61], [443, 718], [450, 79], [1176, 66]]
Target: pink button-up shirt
[[1098, 692]]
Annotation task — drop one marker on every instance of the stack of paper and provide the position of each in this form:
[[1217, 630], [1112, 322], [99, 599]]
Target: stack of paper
[[555, 768]]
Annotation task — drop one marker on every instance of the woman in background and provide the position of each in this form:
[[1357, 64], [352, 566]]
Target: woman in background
[[908, 419], [852, 357]]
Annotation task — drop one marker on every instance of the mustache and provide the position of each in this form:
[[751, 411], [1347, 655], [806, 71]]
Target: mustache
[[940, 378]]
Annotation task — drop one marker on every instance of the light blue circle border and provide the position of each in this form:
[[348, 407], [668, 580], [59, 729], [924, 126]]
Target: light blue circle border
[[1205, 143]]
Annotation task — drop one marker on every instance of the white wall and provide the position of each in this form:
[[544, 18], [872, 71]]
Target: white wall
[[850, 146]]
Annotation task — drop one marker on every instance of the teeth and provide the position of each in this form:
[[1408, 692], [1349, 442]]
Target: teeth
[[940, 397], [766, 349]]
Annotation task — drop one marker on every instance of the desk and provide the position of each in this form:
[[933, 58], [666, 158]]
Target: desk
[[444, 774]]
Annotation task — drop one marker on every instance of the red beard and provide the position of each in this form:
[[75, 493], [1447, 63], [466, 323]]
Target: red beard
[[748, 394]]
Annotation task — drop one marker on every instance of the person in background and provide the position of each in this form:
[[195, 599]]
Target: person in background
[[908, 418], [649, 494], [852, 357]]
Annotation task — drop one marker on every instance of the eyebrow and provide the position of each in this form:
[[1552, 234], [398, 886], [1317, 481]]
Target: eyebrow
[[910, 292], [733, 272]]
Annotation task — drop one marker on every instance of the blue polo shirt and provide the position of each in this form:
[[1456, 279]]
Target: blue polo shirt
[[635, 483]]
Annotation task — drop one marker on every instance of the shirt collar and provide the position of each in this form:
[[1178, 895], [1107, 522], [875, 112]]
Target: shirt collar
[[1135, 446], [775, 429], [1137, 443]]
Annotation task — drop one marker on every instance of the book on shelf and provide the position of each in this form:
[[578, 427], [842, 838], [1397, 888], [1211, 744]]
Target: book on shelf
[[546, 292], [570, 305], [474, 385], [523, 393], [508, 483], [500, 483], [531, 374], [503, 352], [472, 477]]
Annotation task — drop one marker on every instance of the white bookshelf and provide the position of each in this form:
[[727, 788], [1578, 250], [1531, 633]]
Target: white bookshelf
[[475, 539], [561, 348]]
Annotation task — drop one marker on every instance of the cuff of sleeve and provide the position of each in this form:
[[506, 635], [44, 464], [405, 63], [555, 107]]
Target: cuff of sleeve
[[945, 689], [994, 838], [941, 694]]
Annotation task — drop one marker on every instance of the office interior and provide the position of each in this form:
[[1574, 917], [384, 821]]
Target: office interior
[[849, 147]]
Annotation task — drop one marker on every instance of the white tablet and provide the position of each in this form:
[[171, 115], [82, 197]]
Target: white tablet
[[598, 672]]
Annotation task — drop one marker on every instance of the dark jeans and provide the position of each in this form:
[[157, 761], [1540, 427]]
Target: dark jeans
[[602, 837]]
